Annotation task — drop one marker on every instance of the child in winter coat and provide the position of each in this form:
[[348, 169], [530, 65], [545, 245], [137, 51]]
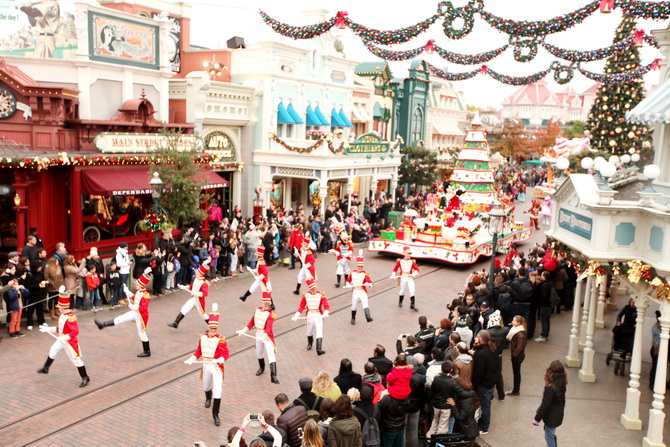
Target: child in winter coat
[[92, 285], [114, 285], [399, 377]]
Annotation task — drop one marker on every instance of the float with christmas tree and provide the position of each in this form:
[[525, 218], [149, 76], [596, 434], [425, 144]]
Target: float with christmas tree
[[453, 226]]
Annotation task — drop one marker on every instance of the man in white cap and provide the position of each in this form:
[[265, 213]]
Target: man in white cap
[[213, 349], [263, 320], [139, 312], [67, 340], [199, 289], [359, 280], [405, 270], [317, 307]]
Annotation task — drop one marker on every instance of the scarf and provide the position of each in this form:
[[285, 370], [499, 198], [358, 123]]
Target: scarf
[[515, 330]]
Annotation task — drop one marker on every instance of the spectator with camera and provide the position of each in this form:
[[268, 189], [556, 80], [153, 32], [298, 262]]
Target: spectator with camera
[[257, 441]]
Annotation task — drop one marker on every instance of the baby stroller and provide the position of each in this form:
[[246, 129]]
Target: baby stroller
[[450, 440], [622, 347]]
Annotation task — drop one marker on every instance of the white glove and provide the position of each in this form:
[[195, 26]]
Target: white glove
[[415, 274], [265, 337], [190, 360], [127, 291], [219, 361], [393, 276], [239, 333], [64, 337], [326, 313], [133, 307], [295, 317], [181, 286], [45, 329]]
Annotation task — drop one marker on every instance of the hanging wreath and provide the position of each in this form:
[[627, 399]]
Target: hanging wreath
[[466, 14], [563, 73], [525, 50]]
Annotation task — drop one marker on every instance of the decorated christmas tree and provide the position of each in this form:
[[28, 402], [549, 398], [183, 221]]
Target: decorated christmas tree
[[607, 119], [472, 171]]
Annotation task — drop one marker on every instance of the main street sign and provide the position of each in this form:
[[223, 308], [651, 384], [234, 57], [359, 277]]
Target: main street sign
[[368, 143], [575, 223]]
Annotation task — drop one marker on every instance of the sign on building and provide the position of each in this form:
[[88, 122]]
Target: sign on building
[[575, 223], [219, 145], [368, 143], [123, 143]]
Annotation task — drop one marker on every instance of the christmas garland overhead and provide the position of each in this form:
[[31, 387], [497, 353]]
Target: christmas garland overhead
[[626, 76], [644, 9], [298, 32], [429, 48], [391, 37], [601, 53]]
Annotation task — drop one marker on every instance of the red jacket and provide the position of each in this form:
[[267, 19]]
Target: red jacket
[[295, 240], [398, 382], [92, 281]]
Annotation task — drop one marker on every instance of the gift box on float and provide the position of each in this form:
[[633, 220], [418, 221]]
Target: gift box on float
[[388, 235]]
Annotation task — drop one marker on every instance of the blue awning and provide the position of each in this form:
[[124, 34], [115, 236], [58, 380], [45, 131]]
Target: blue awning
[[283, 117], [335, 120], [344, 118], [297, 119], [312, 119], [321, 117]]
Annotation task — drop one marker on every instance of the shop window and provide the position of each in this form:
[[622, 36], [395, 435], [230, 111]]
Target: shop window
[[110, 217], [417, 124], [285, 130]]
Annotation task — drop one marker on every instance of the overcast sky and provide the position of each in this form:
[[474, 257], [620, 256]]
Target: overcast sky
[[215, 21]]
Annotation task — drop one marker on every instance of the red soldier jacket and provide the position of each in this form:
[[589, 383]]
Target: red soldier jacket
[[203, 287], [262, 320], [405, 267], [308, 258], [67, 325], [295, 240], [141, 299], [263, 270], [344, 249], [357, 278], [314, 302], [213, 347]]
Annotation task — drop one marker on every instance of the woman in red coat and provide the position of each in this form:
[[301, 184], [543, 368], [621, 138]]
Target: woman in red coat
[[399, 377]]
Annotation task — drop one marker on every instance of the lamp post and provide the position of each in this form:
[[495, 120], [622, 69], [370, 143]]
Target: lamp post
[[20, 221], [651, 172], [156, 192], [496, 221]]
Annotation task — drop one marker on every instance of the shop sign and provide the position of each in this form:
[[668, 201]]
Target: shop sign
[[219, 145], [337, 76], [575, 223], [368, 143], [123, 143]]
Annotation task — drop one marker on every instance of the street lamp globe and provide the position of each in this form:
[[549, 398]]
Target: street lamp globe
[[614, 159], [562, 164], [496, 219], [635, 158], [586, 163], [598, 162], [156, 186], [625, 159], [651, 172]]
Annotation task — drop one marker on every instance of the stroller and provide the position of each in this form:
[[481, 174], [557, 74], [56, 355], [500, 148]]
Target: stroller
[[622, 347]]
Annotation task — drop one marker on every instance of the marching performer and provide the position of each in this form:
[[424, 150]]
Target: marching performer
[[261, 275], [67, 331], [344, 250], [262, 320], [405, 270], [213, 349], [360, 280], [139, 312], [199, 289], [308, 265], [317, 309]]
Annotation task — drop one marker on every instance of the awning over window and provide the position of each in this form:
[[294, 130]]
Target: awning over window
[[311, 118], [335, 120], [297, 119], [358, 116], [319, 114], [377, 111], [125, 182], [283, 117], [447, 130], [344, 118], [654, 109], [364, 113]]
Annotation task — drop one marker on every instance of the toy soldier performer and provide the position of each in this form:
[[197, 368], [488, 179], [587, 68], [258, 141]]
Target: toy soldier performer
[[317, 309], [199, 289], [360, 280], [213, 349], [262, 320], [405, 270], [68, 329], [139, 311], [308, 265], [344, 250], [261, 275]]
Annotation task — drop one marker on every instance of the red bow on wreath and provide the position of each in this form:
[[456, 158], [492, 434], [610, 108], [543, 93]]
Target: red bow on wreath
[[656, 65], [429, 48], [638, 37], [341, 20], [606, 6], [484, 69]]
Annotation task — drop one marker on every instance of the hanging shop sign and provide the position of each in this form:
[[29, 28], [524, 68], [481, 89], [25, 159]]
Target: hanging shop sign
[[575, 223], [368, 143]]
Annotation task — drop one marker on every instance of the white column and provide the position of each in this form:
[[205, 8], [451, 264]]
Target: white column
[[349, 192], [654, 436], [586, 373], [373, 188], [600, 311], [630, 419], [323, 194], [572, 360], [614, 292], [588, 292]]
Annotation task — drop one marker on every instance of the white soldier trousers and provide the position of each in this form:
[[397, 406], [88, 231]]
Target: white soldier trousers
[[359, 295], [194, 303], [266, 346], [256, 284], [343, 267], [314, 320], [407, 282], [130, 316], [303, 274], [58, 346], [212, 380]]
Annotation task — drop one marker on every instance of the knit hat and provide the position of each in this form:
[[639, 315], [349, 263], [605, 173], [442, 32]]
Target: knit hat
[[214, 316], [13, 254], [204, 267], [123, 245], [462, 321], [63, 298], [267, 296], [145, 278], [311, 283], [494, 319]]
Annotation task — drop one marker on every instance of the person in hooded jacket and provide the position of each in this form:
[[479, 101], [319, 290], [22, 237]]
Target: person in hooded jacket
[[344, 429], [485, 374], [392, 420], [498, 334], [399, 377], [417, 384], [552, 408]]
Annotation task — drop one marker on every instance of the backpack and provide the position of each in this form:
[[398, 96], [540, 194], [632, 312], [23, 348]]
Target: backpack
[[377, 389], [370, 430], [169, 266], [312, 413], [177, 265], [525, 292], [504, 300]]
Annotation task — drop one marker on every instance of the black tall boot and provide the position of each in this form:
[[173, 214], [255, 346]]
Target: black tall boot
[[319, 342], [245, 296], [104, 324], [208, 398], [147, 350], [402, 297], [353, 317], [84, 377], [368, 317], [297, 289], [177, 320], [412, 306], [310, 340], [215, 411], [45, 368], [339, 277], [273, 372], [261, 370]]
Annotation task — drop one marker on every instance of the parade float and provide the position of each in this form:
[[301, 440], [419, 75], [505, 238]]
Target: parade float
[[563, 149], [453, 226]]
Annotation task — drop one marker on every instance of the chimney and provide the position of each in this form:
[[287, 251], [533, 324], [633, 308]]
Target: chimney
[[236, 42]]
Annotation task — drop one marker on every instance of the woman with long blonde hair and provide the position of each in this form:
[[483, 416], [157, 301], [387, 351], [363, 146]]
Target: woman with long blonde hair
[[311, 436], [323, 386]]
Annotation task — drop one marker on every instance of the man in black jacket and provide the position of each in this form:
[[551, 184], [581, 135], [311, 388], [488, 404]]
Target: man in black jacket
[[426, 336], [307, 398], [291, 419], [417, 384], [498, 336], [485, 373], [544, 304], [266, 436], [444, 387], [524, 294], [392, 421], [381, 362]]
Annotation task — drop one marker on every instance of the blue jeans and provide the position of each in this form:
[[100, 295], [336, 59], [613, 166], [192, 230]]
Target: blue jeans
[[393, 438], [124, 279], [115, 294], [412, 432], [251, 257], [94, 298], [452, 422], [550, 436], [545, 312], [485, 397]]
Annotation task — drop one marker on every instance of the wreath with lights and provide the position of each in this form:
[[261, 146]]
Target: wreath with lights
[[155, 221]]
